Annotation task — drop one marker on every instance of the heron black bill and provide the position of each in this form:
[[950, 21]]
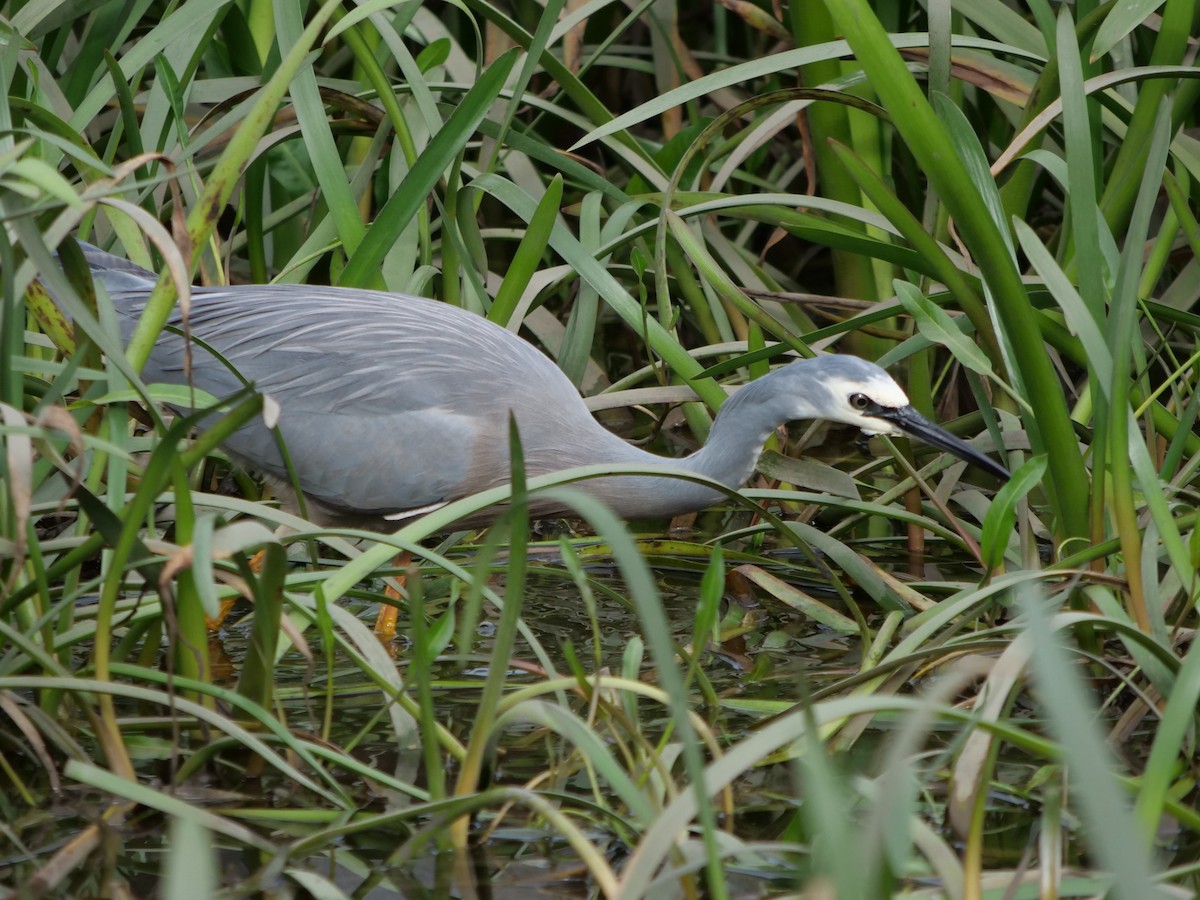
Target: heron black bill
[[912, 422]]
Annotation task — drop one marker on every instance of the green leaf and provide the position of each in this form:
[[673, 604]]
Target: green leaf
[[1170, 742], [357, 14], [1084, 215], [1125, 16], [440, 634], [190, 868], [937, 325], [808, 473], [434, 55], [202, 565], [45, 179], [1001, 516], [528, 258], [712, 589], [798, 600], [178, 395], [362, 269], [314, 124], [1110, 830]]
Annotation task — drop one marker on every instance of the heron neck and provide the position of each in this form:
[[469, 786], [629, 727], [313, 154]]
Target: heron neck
[[741, 428]]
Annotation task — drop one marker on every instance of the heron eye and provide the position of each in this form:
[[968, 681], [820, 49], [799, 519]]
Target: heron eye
[[860, 401]]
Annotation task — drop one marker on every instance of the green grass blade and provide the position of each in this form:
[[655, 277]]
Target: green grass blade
[[362, 268], [190, 865], [528, 257], [1112, 831]]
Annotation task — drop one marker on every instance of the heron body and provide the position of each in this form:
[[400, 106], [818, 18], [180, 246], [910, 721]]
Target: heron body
[[391, 405]]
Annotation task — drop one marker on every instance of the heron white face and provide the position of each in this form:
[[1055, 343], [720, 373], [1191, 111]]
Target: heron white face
[[857, 397]]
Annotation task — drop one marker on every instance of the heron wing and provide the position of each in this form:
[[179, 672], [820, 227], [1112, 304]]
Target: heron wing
[[388, 402]]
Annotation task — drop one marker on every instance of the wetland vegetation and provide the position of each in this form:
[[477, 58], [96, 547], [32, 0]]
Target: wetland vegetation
[[870, 674]]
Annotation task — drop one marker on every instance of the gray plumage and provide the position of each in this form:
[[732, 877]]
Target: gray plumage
[[391, 403]]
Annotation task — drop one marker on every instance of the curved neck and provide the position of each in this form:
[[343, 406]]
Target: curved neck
[[739, 431], [741, 428]]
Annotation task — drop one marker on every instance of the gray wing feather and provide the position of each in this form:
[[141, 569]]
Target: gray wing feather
[[388, 402]]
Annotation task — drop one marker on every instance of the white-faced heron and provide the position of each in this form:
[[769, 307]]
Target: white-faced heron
[[392, 405]]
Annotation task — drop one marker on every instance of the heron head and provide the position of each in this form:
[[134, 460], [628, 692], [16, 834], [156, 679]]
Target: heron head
[[860, 393], [867, 399]]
